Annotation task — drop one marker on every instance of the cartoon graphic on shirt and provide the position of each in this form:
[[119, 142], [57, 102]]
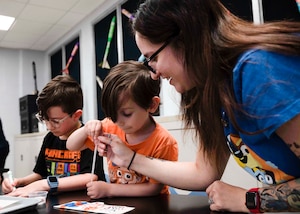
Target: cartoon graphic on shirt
[[122, 175], [264, 171], [125, 176], [112, 176], [62, 162]]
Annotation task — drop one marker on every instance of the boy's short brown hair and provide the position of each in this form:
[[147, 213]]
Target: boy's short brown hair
[[63, 91]]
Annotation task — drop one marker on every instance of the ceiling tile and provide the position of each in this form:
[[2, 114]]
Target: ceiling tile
[[71, 19], [24, 37], [41, 14], [65, 5], [40, 23], [87, 6], [2, 34], [18, 45], [30, 26], [10, 8], [57, 30]]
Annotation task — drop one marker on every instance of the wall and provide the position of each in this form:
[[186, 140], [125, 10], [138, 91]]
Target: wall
[[17, 81], [170, 97], [87, 55], [17, 76]]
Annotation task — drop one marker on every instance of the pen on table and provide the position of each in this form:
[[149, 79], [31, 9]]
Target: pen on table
[[10, 178]]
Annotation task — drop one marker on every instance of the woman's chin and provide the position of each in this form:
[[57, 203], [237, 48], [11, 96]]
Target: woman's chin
[[177, 86]]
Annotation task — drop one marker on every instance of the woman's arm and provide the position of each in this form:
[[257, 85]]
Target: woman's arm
[[281, 198], [290, 133], [286, 196], [184, 175]]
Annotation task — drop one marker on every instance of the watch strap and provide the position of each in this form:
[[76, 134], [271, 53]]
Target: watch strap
[[255, 209], [53, 185]]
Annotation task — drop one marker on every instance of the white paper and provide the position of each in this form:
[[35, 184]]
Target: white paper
[[5, 203], [94, 207]]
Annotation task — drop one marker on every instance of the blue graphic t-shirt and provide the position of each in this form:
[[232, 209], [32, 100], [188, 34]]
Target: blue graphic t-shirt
[[267, 85]]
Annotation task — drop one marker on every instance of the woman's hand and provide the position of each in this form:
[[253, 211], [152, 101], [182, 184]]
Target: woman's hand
[[112, 147], [225, 197]]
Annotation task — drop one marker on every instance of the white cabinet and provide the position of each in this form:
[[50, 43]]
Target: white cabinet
[[26, 147]]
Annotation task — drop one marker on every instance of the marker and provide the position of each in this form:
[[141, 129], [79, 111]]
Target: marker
[[10, 178]]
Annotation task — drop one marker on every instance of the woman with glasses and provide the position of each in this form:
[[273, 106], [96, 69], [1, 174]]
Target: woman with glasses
[[240, 91], [58, 169]]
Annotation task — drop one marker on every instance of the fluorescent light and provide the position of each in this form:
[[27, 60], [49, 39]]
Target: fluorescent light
[[6, 22]]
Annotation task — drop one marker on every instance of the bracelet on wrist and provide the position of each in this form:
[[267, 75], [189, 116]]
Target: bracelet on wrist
[[134, 153]]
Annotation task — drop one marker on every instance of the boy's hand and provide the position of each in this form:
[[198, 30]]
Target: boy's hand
[[32, 187], [7, 186], [97, 189], [93, 128]]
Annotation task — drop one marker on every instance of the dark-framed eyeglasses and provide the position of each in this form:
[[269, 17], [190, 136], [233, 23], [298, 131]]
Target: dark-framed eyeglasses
[[54, 122], [147, 60]]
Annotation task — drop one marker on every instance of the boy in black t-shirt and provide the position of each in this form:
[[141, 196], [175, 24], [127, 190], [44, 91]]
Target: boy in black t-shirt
[[60, 106]]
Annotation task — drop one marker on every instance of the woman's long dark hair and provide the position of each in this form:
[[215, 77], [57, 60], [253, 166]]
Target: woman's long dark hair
[[210, 39]]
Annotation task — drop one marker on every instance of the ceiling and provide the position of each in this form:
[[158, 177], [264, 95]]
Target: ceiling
[[40, 23]]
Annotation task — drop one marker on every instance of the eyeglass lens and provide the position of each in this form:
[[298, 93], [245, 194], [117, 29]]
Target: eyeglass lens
[[146, 62], [54, 123]]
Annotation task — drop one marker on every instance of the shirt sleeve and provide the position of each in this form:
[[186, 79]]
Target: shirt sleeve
[[89, 143], [266, 86]]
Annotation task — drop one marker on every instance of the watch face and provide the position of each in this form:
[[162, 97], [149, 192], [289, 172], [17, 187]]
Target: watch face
[[251, 200], [52, 179]]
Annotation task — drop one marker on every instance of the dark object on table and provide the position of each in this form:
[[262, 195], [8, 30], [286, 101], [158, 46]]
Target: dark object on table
[[4, 150]]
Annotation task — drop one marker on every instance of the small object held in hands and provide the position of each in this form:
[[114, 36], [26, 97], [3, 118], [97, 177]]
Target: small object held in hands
[[10, 178]]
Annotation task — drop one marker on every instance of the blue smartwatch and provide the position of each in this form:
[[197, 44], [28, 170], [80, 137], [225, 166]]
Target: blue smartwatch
[[53, 183]]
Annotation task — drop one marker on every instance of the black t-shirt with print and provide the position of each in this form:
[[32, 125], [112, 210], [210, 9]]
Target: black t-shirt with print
[[55, 159]]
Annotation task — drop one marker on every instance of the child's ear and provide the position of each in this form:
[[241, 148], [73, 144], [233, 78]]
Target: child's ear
[[154, 105], [77, 114]]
